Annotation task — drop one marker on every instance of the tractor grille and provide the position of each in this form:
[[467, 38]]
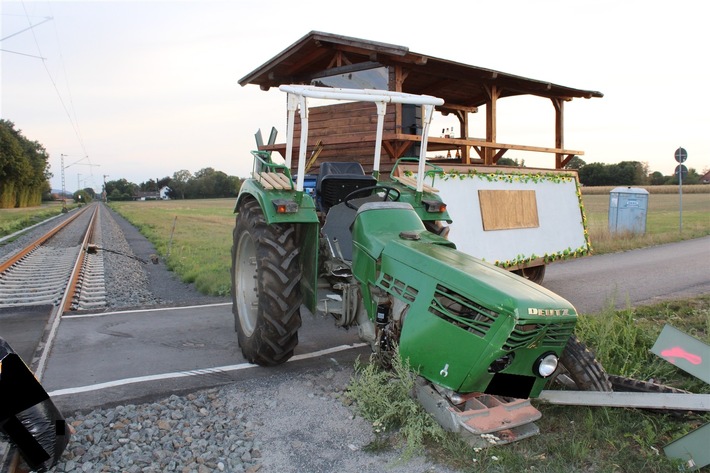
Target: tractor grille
[[462, 311], [398, 288], [551, 335]]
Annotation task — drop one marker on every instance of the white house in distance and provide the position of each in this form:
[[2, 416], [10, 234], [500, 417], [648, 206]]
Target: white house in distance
[[162, 194]]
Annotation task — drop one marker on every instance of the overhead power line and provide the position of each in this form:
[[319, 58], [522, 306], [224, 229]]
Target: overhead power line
[[49, 18], [72, 121]]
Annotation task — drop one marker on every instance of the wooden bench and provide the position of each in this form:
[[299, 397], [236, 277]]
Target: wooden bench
[[273, 180], [411, 182]]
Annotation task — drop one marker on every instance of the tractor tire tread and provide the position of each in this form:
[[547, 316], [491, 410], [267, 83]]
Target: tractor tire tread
[[582, 366], [279, 274]]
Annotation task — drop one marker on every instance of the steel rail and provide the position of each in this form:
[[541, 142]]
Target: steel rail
[[44, 347], [65, 303], [39, 241]]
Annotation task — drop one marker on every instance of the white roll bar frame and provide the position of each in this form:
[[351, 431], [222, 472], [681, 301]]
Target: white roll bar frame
[[297, 99]]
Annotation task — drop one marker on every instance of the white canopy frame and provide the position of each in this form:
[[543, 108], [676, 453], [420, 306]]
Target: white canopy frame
[[297, 100]]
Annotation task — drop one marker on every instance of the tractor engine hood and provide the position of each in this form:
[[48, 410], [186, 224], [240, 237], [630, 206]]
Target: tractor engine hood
[[469, 326]]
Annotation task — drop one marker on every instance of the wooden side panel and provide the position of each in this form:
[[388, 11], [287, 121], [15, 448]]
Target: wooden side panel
[[508, 209], [347, 132]]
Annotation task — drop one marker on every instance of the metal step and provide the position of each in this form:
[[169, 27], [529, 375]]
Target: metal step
[[482, 419]]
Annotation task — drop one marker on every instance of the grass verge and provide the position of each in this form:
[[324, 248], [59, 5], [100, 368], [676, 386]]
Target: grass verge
[[572, 438], [13, 220]]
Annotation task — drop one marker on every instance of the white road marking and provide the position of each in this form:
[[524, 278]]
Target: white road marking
[[157, 309], [183, 374]]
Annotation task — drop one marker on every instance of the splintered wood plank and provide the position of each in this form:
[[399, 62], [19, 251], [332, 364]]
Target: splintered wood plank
[[675, 401], [411, 182], [508, 209]]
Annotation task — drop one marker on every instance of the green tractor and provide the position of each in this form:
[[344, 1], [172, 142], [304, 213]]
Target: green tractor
[[482, 339]]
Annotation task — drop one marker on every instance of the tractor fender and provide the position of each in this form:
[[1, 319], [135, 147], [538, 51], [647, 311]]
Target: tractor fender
[[306, 212], [305, 218]]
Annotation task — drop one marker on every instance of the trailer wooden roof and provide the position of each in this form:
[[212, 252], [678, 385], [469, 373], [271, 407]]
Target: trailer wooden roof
[[457, 83]]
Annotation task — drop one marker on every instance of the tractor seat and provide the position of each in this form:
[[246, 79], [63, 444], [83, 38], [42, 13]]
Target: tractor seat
[[337, 180]]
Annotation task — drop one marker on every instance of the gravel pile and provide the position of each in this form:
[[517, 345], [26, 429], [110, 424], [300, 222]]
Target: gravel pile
[[297, 422], [125, 275], [201, 432]]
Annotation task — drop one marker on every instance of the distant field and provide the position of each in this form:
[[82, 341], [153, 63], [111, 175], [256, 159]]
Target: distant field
[[200, 250], [662, 221], [194, 237], [693, 189]]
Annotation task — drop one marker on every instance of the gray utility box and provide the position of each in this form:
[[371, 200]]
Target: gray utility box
[[628, 207]]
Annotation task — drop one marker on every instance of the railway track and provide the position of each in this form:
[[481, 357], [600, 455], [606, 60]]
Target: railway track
[[61, 269]]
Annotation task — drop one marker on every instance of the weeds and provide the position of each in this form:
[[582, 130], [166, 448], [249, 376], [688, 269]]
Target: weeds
[[384, 398], [622, 340]]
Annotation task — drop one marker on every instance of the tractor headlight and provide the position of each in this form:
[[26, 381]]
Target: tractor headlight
[[545, 365]]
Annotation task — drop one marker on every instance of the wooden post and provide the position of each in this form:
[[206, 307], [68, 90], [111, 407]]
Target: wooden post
[[559, 130], [491, 107]]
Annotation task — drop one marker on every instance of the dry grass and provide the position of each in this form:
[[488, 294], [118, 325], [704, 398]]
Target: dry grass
[[662, 222], [671, 189]]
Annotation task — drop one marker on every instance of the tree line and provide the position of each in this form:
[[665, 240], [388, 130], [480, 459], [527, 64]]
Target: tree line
[[207, 183], [24, 169], [630, 173], [625, 173]]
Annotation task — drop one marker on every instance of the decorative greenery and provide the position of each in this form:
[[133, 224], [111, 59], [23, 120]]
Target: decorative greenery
[[510, 176]]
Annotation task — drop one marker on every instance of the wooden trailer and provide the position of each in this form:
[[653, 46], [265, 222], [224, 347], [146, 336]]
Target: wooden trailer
[[345, 132]]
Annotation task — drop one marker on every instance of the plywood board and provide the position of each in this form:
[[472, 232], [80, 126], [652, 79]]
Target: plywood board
[[508, 209], [472, 196]]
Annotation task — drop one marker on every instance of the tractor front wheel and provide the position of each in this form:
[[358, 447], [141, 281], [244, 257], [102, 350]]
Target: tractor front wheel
[[580, 370], [266, 294]]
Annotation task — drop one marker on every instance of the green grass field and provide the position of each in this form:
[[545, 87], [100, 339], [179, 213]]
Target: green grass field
[[194, 237], [663, 223], [13, 220]]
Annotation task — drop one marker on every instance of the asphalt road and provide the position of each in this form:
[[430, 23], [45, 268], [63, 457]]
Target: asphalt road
[[637, 277], [107, 359]]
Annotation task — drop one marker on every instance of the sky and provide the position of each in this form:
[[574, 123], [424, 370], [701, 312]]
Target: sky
[[138, 90]]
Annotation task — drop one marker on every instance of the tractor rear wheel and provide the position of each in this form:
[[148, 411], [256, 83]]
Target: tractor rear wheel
[[266, 294], [535, 274], [580, 370]]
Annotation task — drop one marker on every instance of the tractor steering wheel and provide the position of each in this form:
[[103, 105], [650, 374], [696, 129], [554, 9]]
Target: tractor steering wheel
[[388, 190]]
